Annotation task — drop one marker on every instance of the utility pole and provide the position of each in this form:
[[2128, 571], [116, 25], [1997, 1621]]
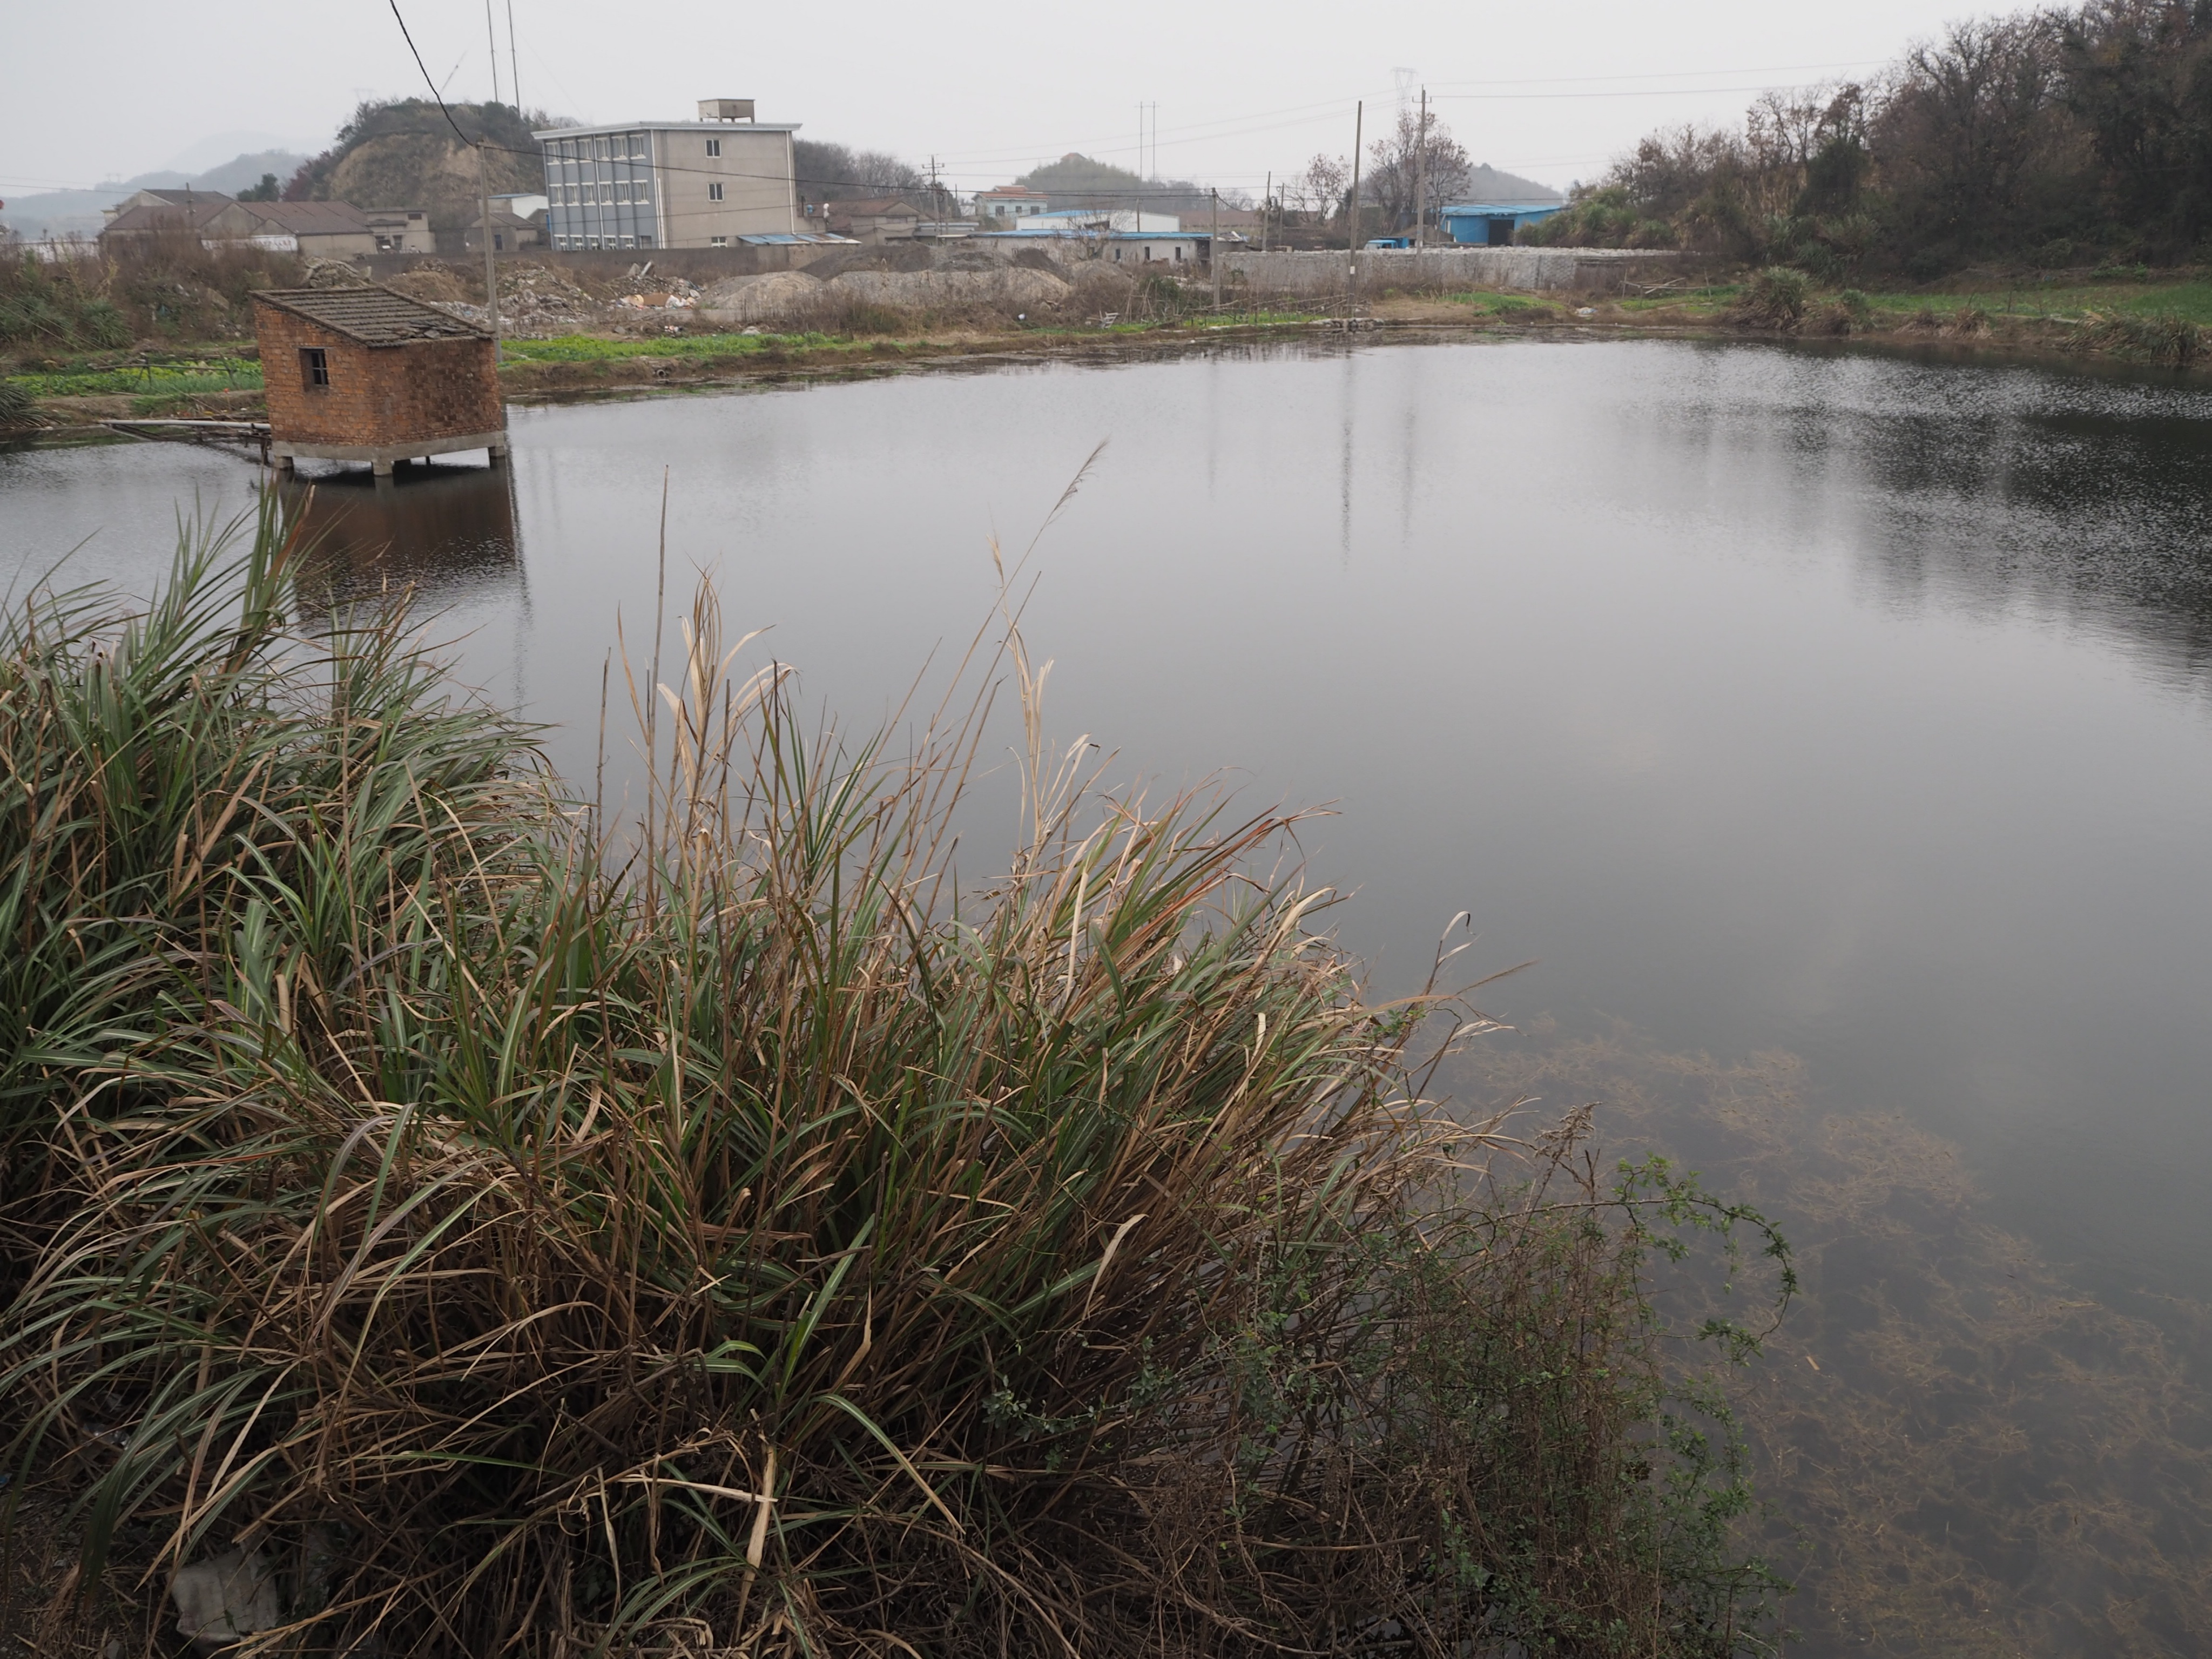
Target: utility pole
[[1266, 208], [491, 45], [513, 63], [491, 269], [1352, 203], [1421, 177], [1213, 249]]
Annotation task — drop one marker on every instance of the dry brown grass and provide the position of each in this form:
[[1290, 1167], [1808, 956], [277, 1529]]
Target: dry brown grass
[[734, 1222]]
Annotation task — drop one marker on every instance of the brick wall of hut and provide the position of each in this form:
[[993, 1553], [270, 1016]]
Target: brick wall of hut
[[378, 396]]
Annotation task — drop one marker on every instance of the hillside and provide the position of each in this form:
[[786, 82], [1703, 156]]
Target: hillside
[[1077, 181], [404, 153], [1487, 183]]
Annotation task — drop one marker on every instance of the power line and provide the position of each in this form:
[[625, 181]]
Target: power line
[[1624, 92]]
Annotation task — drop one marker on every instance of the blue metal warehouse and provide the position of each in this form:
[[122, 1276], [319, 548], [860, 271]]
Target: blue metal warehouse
[[1491, 224]]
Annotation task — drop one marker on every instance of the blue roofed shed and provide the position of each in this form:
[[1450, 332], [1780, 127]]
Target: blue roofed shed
[[1491, 224]]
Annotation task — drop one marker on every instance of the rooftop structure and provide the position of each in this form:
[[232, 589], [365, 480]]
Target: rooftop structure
[[368, 374], [671, 183]]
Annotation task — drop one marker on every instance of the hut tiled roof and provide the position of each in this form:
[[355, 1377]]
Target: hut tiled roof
[[371, 315]]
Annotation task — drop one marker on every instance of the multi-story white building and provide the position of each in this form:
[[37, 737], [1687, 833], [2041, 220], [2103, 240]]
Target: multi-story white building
[[671, 183]]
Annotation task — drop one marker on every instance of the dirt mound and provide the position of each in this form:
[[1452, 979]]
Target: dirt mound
[[1099, 287], [779, 296], [433, 284], [999, 288]]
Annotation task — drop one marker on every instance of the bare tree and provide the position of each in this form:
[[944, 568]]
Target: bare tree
[[1965, 123], [1320, 191], [1394, 161], [830, 171]]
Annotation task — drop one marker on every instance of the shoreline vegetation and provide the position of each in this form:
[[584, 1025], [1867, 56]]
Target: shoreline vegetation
[[2128, 319], [453, 1219]]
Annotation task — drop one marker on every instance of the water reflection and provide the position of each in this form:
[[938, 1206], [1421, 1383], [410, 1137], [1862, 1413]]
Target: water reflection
[[444, 532], [1979, 486]]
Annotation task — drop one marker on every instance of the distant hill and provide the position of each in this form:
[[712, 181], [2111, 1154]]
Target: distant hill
[[1077, 181], [76, 212], [404, 153], [1486, 184]]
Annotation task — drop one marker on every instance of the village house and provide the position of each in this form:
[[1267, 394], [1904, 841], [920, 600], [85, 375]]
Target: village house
[[509, 229], [1061, 220], [141, 222], [401, 230], [180, 198], [998, 208], [874, 219], [368, 374], [324, 230], [1187, 249]]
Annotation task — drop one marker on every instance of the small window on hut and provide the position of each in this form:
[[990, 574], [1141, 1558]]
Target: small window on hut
[[315, 369]]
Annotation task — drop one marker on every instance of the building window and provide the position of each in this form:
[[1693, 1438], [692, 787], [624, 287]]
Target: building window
[[718, 241], [315, 369], [714, 193], [498, 243], [714, 147], [629, 241], [645, 242]]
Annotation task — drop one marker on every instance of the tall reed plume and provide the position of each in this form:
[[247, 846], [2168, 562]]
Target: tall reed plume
[[519, 1233]]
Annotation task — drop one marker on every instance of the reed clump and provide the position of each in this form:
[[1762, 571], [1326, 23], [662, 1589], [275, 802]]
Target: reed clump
[[2162, 338], [516, 1233]]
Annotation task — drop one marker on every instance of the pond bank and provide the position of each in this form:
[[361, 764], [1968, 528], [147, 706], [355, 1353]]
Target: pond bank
[[588, 367]]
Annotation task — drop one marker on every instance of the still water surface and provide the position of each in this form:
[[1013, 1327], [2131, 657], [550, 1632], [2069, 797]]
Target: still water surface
[[1769, 700]]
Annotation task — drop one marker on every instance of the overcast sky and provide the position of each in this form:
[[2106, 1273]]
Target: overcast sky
[[94, 91]]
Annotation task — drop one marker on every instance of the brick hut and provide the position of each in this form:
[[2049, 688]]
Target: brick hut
[[368, 374]]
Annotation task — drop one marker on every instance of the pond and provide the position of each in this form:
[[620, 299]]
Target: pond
[[1822, 725]]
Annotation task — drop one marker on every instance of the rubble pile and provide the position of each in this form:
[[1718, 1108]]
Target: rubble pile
[[545, 304]]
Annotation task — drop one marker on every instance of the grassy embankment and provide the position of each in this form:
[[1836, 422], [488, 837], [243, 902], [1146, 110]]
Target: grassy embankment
[[517, 1233], [2124, 315], [2127, 314], [222, 377]]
